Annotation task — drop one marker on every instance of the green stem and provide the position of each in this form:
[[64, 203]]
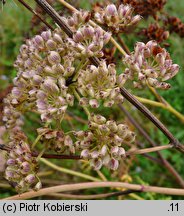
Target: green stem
[[82, 63], [38, 137], [78, 98], [68, 171]]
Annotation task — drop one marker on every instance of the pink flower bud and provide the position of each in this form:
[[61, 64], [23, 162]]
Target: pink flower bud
[[88, 31], [113, 164], [25, 167], [9, 174], [93, 103], [119, 99], [114, 151], [114, 93], [51, 45], [11, 162], [78, 37], [130, 137], [62, 109], [84, 102], [122, 78], [38, 186], [85, 153], [153, 82], [21, 185], [54, 58], [111, 10], [117, 140], [135, 20], [37, 79], [104, 94], [30, 179], [41, 104], [49, 85], [112, 125], [94, 154], [79, 134], [41, 95], [108, 103], [46, 35], [68, 141], [90, 90], [121, 152], [39, 41], [106, 37], [96, 163], [104, 128], [163, 85], [70, 99], [57, 38], [103, 150], [99, 119], [16, 92], [58, 68], [160, 58]]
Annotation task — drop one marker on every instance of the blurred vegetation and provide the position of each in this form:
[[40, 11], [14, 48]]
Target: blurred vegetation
[[15, 27]]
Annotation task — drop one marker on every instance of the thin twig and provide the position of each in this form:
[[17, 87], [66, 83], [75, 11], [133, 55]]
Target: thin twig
[[54, 156], [95, 196], [68, 171], [36, 14], [89, 185], [169, 167], [152, 118], [123, 44], [77, 157], [148, 150], [4, 147], [147, 155], [79, 119], [165, 105]]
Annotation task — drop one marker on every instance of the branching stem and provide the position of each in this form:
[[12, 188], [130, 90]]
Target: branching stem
[[89, 185]]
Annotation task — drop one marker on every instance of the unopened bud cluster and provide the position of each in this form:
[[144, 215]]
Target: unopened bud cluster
[[22, 167], [44, 64], [89, 41], [11, 116], [150, 64], [117, 19], [102, 143], [77, 19], [100, 84]]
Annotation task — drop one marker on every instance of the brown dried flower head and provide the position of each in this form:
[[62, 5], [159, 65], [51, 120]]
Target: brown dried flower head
[[154, 32], [174, 24], [146, 7]]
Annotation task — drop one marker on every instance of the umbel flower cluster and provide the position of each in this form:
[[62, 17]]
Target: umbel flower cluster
[[150, 64], [99, 84], [117, 19], [102, 143], [55, 73], [22, 166]]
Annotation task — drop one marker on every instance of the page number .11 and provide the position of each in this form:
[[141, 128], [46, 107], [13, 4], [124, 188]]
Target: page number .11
[[173, 207]]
